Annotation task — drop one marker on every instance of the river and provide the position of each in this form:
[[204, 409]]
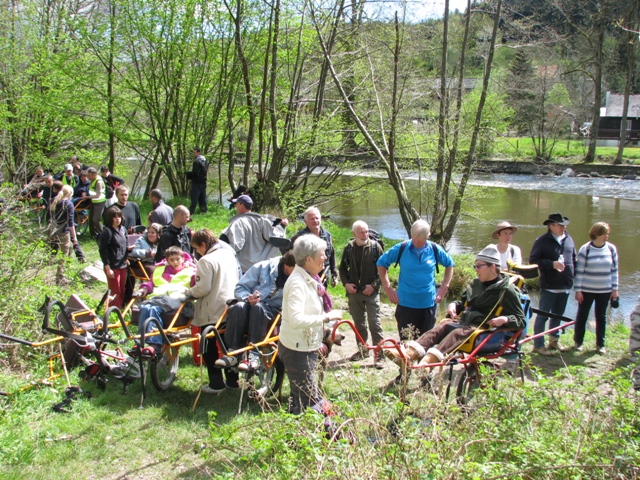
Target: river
[[525, 201]]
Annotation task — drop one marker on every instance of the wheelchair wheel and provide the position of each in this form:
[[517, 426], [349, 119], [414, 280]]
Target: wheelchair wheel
[[164, 369], [264, 383], [82, 223], [467, 383]]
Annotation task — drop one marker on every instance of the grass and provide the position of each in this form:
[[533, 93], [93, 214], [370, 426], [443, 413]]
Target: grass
[[575, 417]]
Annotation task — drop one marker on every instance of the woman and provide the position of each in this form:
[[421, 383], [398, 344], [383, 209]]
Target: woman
[[508, 253], [306, 307], [215, 282], [62, 227], [146, 247], [596, 280], [113, 253]]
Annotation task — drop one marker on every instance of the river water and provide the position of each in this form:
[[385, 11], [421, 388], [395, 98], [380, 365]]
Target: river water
[[526, 201]]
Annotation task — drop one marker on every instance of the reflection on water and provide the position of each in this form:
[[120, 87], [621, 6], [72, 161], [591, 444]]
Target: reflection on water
[[525, 201]]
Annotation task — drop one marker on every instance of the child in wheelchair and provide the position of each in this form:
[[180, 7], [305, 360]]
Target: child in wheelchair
[[164, 293]]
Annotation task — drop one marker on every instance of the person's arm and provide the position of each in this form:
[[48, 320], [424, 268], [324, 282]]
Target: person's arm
[[204, 279], [137, 214], [344, 270], [140, 249], [392, 295], [294, 305], [105, 241], [512, 315], [517, 255], [247, 284], [536, 255], [614, 271]]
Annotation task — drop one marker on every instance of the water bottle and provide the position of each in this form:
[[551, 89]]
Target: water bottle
[[561, 260]]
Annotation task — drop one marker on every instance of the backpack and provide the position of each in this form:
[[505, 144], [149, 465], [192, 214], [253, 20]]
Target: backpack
[[404, 246], [373, 236]]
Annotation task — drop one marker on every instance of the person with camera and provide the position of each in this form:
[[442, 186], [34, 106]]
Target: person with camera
[[596, 281], [359, 275]]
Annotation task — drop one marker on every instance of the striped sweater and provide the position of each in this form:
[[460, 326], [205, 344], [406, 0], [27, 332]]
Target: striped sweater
[[597, 269]]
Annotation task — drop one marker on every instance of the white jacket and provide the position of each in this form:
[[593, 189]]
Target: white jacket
[[216, 278], [302, 313]]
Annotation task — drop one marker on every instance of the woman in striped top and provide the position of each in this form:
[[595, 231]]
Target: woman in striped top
[[596, 280]]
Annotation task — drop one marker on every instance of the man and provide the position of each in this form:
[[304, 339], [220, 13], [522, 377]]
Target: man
[[97, 196], [248, 233], [81, 190], [67, 177], [259, 295], [48, 193], [491, 301], [359, 275], [313, 220], [177, 233], [417, 296], [111, 182], [198, 177], [160, 212], [555, 254], [130, 210]]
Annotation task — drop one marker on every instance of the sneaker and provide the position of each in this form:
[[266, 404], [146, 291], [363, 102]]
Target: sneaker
[[226, 362], [378, 362], [541, 351], [601, 350], [577, 348], [359, 355], [214, 391], [554, 344], [252, 364]]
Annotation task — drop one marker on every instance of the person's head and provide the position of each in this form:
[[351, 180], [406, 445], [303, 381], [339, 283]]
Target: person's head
[[155, 196], [92, 173], [360, 232], [153, 233], [420, 232], [56, 186], [113, 218], [600, 229], [288, 263], [487, 264], [48, 181], [66, 192], [174, 256], [312, 219], [243, 204], [202, 240], [181, 216], [556, 224], [196, 151], [77, 167], [83, 176], [39, 171], [104, 171], [504, 232], [309, 252], [122, 194], [68, 169]]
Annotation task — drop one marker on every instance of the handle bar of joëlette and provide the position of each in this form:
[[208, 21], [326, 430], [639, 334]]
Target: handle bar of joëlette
[[568, 322]]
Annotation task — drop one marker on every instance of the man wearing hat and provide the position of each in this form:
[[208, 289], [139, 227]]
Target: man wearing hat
[[67, 177], [555, 254], [248, 233], [491, 301]]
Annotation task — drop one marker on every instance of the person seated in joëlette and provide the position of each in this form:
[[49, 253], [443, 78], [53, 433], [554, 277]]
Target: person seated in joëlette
[[490, 301], [164, 293]]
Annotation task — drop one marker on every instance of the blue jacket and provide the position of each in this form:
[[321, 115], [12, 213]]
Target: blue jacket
[[261, 277], [417, 282]]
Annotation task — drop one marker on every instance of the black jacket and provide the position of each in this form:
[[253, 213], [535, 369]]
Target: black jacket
[[113, 247], [544, 252], [171, 235]]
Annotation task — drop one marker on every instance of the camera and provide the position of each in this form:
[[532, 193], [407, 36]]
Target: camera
[[615, 302]]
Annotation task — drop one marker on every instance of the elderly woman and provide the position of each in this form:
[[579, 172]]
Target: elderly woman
[[508, 253], [596, 281], [216, 279], [306, 307]]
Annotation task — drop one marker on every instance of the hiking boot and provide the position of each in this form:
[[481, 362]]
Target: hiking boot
[[554, 344], [541, 351], [359, 355], [577, 348], [378, 361], [601, 350]]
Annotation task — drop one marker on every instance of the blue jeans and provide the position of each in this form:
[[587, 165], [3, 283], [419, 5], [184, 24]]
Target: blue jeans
[[148, 311], [552, 303]]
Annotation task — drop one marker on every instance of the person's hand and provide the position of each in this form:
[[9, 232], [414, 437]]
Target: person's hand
[[392, 295], [253, 298], [498, 321], [579, 297], [368, 290], [350, 288], [334, 280], [441, 293], [284, 222], [559, 266], [333, 315], [108, 272], [452, 312], [614, 294]]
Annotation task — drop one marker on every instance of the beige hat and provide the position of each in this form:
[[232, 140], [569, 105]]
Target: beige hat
[[503, 226]]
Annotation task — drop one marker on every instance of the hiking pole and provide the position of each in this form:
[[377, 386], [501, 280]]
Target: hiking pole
[[64, 364]]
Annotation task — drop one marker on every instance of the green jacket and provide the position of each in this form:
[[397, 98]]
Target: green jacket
[[479, 301]]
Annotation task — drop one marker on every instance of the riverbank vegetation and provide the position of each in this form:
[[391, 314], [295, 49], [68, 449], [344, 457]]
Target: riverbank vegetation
[[575, 416]]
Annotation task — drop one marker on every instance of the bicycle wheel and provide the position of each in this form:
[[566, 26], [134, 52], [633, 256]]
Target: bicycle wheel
[[164, 369], [467, 383]]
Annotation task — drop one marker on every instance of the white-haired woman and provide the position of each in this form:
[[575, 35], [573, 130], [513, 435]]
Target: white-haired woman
[[306, 307]]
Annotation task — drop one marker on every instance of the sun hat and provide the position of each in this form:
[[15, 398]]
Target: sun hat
[[503, 226], [556, 218]]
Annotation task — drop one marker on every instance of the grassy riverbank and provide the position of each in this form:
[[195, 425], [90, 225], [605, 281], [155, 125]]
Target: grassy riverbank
[[575, 416]]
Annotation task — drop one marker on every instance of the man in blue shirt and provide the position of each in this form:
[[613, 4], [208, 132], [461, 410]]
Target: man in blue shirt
[[417, 295]]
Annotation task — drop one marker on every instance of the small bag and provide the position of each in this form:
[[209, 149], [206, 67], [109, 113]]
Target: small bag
[[615, 302]]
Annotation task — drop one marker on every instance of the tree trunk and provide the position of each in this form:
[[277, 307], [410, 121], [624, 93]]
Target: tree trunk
[[627, 86], [597, 97]]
